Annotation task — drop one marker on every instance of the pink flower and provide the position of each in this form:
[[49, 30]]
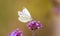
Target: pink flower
[[56, 10], [15, 33], [33, 25]]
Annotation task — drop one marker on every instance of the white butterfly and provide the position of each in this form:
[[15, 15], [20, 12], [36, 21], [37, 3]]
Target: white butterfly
[[24, 16]]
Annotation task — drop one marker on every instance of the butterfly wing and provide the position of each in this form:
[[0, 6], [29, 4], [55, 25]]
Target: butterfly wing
[[19, 13], [24, 16], [26, 12]]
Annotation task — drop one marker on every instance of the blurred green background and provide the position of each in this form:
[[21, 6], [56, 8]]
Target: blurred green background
[[9, 17]]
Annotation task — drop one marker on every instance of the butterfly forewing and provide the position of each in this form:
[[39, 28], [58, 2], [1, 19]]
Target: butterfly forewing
[[26, 12]]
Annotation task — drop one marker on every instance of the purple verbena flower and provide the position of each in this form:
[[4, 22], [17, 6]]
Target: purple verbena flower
[[33, 25], [15, 33]]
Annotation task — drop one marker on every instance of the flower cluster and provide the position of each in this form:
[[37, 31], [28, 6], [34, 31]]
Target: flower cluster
[[33, 25], [15, 33]]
